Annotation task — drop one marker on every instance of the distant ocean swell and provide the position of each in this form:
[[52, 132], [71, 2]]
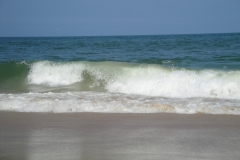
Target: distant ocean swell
[[81, 86]]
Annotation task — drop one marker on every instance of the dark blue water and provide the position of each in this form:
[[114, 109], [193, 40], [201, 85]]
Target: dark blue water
[[218, 51]]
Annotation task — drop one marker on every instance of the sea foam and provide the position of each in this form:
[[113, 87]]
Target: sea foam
[[55, 74], [72, 102]]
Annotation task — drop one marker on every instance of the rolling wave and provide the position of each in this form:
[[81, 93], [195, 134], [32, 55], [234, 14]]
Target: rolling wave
[[143, 79], [120, 77]]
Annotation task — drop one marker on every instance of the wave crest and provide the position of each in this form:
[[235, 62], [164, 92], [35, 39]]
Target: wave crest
[[151, 80]]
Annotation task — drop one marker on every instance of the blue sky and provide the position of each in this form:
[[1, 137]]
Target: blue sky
[[117, 17]]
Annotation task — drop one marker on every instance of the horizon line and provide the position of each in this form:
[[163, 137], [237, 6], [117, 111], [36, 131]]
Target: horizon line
[[123, 35]]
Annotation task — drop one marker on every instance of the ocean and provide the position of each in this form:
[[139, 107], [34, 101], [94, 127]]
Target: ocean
[[186, 74]]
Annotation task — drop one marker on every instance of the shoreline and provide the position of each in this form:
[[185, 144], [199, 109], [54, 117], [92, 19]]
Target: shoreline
[[118, 136]]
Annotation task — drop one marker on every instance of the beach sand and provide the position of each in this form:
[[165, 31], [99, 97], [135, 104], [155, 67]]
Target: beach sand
[[100, 136]]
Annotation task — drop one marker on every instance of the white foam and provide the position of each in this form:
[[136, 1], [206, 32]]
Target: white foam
[[55, 74], [113, 103], [180, 83]]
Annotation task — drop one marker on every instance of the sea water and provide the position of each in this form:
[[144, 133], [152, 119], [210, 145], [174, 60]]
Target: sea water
[[189, 74]]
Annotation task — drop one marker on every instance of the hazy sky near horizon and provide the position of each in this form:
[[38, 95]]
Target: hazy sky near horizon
[[117, 17]]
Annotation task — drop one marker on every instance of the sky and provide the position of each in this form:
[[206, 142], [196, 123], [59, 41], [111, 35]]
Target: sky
[[23, 18]]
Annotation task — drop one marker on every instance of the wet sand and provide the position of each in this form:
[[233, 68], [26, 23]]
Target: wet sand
[[90, 136]]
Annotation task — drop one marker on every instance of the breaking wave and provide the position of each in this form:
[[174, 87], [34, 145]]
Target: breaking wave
[[140, 79]]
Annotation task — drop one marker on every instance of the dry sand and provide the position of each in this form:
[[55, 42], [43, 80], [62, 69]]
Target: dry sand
[[90, 136]]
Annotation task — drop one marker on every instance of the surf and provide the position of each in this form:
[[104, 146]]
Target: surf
[[140, 79], [119, 77]]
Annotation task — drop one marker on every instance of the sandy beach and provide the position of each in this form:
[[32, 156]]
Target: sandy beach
[[89, 136]]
